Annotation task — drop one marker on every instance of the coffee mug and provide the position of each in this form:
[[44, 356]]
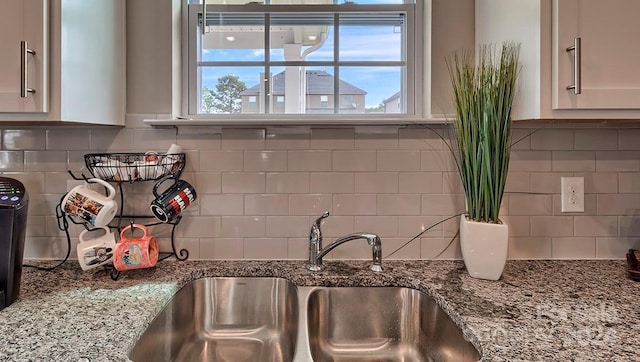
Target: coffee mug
[[93, 253], [169, 204], [91, 206], [135, 252]]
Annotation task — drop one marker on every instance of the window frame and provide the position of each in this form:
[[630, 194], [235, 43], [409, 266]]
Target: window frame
[[412, 86]]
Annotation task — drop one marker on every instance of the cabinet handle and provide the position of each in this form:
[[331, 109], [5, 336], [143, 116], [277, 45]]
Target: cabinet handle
[[24, 51], [577, 65]]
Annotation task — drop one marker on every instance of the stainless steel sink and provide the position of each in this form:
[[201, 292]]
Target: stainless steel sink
[[270, 319], [224, 319], [382, 324]]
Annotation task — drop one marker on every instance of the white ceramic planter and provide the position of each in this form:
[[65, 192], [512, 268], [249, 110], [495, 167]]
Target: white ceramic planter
[[484, 248]]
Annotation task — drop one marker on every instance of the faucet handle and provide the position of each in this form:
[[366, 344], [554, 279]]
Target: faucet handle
[[319, 219], [316, 233]]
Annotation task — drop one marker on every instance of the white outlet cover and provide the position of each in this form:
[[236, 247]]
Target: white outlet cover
[[572, 194]]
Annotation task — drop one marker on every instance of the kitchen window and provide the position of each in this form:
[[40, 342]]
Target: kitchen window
[[302, 60]]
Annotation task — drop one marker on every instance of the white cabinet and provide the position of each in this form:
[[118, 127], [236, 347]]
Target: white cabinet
[[23, 55], [86, 80], [608, 59], [610, 54]]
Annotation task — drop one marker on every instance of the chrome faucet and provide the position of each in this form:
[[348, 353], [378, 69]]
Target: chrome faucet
[[316, 252]]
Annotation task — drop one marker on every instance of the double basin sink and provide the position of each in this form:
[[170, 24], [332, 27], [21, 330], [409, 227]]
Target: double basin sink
[[271, 319]]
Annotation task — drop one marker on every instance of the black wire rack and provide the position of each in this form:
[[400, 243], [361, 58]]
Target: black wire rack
[[148, 166]]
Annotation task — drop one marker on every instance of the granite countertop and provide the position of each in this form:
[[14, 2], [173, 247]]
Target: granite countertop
[[538, 311]]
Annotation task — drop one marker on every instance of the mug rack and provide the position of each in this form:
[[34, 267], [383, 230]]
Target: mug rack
[[133, 167]]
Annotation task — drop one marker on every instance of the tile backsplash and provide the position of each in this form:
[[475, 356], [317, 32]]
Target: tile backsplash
[[259, 189]]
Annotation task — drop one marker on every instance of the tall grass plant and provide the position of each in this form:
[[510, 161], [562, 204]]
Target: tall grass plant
[[483, 95]]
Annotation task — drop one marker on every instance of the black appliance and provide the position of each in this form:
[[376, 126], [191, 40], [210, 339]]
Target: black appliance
[[14, 202]]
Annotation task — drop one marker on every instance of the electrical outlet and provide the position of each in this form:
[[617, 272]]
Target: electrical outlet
[[572, 194]]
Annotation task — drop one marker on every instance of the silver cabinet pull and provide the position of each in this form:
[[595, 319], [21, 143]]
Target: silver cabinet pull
[[24, 51], [577, 65]]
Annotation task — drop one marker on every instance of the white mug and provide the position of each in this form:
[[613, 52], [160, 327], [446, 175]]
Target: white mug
[[91, 206], [93, 253]]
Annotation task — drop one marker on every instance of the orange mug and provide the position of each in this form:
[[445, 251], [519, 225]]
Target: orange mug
[[135, 252]]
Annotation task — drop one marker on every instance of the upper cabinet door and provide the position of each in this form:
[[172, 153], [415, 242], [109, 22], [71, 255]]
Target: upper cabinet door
[[605, 62], [23, 56]]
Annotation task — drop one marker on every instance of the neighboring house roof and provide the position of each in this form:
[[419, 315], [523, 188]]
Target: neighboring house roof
[[394, 96], [318, 82]]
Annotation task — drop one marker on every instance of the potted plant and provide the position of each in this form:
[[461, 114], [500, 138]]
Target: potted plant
[[483, 95]]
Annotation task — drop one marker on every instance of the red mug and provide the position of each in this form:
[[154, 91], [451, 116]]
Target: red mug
[[135, 252]]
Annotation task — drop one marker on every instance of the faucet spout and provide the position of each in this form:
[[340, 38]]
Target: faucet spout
[[316, 252], [372, 239]]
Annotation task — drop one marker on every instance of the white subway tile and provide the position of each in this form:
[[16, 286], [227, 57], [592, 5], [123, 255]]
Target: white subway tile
[[333, 139], [590, 205], [112, 139], [265, 248], [332, 182], [288, 226], [440, 248], [154, 139], [243, 182], [298, 248], [354, 204], [242, 226], [573, 248], [583, 161], [68, 139], [595, 225], [287, 182], [309, 160], [437, 161], [335, 226], [225, 204], [398, 204], [550, 226], [243, 139], [354, 161], [628, 139], [376, 182], [198, 227], [618, 204], [392, 160], [208, 183], [281, 140], [266, 204], [265, 160], [547, 182], [451, 183], [517, 182], [520, 204], [617, 161], [312, 205], [530, 161], [420, 182], [529, 248], [410, 226], [368, 141], [519, 226], [14, 161], [383, 226], [24, 139], [399, 249], [444, 205], [615, 248], [199, 141], [596, 139], [628, 226], [521, 139], [221, 160], [552, 139], [420, 138], [354, 250], [45, 161], [221, 248]]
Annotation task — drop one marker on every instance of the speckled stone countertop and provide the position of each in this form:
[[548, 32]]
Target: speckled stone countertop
[[538, 311]]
